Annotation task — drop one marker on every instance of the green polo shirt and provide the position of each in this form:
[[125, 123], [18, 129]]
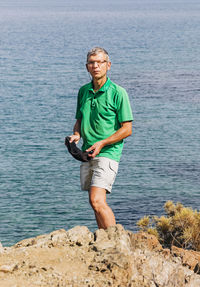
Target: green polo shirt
[[101, 114]]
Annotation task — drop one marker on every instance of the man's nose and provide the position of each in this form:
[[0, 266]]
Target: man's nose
[[95, 64]]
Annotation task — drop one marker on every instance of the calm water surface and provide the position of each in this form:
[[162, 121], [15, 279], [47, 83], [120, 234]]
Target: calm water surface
[[154, 48]]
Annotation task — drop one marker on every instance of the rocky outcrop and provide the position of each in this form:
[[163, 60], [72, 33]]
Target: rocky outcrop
[[189, 258], [79, 258]]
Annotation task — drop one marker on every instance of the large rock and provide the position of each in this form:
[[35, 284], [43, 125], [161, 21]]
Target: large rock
[[188, 258], [78, 258]]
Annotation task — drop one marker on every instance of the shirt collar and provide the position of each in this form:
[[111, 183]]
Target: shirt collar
[[103, 88]]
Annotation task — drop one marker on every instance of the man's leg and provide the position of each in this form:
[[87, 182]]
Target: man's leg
[[103, 213]]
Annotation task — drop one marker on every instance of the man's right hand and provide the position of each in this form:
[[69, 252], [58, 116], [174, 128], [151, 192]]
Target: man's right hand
[[74, 138]]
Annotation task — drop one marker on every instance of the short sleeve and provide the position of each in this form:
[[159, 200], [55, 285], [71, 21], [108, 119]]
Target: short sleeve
[[78, 106], [124, 111]]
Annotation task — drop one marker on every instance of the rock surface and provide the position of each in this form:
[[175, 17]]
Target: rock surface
[[113, 257]]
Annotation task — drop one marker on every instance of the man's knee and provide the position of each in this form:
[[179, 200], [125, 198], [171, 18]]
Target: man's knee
[[97, 200]]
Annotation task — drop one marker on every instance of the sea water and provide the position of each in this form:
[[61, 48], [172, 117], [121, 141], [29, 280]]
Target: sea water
[[154, 49]]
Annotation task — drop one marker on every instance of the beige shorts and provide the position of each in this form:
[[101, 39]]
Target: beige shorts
[[100, 172]]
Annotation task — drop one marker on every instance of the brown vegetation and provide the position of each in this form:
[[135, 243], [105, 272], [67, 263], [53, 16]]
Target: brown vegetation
[[180, 227]]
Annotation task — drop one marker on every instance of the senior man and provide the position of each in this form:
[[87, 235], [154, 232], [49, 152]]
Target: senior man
[[103, 120]]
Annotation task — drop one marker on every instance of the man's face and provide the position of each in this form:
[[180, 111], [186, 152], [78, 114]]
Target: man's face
[[98, 66]]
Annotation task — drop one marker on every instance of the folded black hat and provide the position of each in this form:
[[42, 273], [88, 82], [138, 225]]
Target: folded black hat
[[75, 151]]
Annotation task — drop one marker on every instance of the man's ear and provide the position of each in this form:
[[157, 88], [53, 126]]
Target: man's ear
[[108, 65], [87, 67]]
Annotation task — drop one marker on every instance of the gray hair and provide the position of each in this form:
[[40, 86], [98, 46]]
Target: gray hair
[[97, 50]]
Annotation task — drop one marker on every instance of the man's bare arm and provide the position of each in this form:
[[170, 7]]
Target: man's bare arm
[[120, 134], [77, 132]]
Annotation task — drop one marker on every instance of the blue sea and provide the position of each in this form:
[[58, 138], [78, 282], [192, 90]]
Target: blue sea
[[155, 54]]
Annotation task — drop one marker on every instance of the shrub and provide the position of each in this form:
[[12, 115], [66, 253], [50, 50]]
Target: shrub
[[180, 226]]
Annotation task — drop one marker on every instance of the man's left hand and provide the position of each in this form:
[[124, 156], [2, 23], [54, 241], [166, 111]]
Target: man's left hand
[[95, 149]]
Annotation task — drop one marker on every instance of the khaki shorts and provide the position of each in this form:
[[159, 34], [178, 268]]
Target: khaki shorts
[[100, 172]]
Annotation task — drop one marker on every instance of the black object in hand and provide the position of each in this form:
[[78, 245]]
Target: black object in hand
[[76, 152]]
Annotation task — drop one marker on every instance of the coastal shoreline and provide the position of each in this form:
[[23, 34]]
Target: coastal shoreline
[[112, 257]]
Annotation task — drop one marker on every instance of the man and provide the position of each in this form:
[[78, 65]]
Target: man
[[103, 120]]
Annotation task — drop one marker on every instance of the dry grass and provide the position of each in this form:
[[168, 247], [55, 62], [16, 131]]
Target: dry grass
[[180, 226]]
